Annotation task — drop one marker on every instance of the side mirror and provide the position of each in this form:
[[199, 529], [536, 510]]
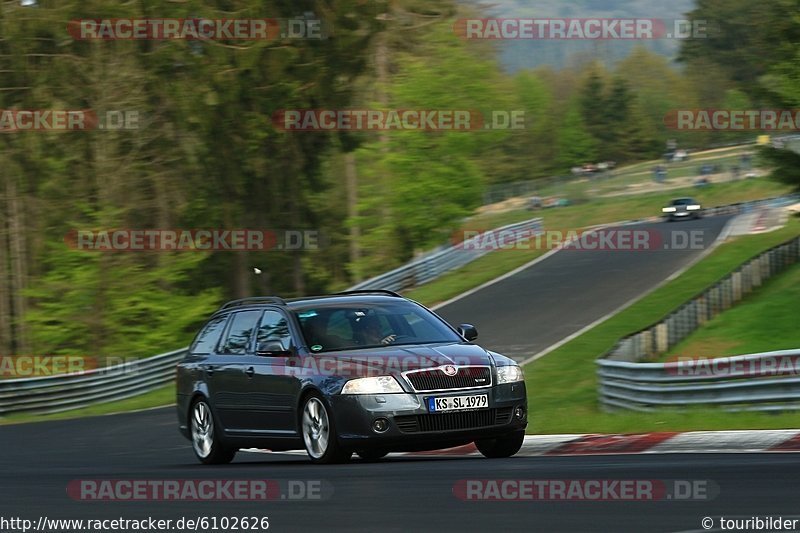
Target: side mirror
[[468, 331], [272, 349]]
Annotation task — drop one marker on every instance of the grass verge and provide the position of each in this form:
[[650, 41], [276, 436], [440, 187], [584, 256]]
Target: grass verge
[[765, 320], [562, 386]]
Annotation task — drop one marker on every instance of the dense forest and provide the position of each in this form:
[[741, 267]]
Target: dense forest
[[206, 154]]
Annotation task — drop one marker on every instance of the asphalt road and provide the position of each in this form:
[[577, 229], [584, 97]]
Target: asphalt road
[[405, 494], [528, 312]]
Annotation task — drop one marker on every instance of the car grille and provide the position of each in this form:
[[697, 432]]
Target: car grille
[[466, 377], [453, 421]]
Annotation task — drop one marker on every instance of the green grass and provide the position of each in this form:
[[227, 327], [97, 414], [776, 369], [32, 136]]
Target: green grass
[[562, 385], [765, 320], [600, 211], [162, 396]]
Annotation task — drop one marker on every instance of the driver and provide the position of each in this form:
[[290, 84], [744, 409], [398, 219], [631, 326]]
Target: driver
[[371, 331]]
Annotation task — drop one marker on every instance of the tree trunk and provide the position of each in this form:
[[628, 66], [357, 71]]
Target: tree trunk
[[351, 182], [18, 261], [5, 289]]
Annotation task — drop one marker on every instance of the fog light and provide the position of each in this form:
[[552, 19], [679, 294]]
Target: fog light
[[379, 425], [519, 412]]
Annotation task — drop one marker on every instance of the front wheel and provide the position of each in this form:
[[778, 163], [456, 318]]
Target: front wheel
[[205, 437], [501, 447], [319, 433]]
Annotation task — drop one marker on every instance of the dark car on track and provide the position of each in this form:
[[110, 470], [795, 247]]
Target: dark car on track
[[682, 208], [368, 372]]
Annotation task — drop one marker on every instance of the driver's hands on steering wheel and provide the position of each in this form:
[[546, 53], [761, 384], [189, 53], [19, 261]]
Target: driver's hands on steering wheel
[[388, 339]]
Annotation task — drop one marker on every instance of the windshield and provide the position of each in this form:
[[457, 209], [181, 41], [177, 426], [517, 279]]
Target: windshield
[[683, 201], [359, 325]]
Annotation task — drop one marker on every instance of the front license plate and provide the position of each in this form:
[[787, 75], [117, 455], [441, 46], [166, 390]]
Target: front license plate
[[457, 403]]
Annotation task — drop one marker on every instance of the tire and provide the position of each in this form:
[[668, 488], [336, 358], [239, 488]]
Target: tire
[[319, 433], [372, 455], [206, 444], [501, 447]]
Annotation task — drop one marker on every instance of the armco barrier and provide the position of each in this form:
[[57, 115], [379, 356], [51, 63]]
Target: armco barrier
[[625, 381], [756, 382], [52, 394], [433, 265]]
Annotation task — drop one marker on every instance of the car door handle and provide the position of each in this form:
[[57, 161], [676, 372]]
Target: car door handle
[[250, 372], [209, 370]]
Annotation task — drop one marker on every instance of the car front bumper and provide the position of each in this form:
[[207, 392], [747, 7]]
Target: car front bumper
[[410, 426]]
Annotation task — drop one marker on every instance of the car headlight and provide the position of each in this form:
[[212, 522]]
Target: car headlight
[[509, 374], [692, 207], [668, 209], [376, 385]]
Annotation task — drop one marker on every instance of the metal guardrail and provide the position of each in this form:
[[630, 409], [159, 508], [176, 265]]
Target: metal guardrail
[[53, 394], [624, 381], [433, 265], [756, 382]]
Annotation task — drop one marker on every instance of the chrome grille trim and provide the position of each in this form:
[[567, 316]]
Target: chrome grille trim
[[459, 368]]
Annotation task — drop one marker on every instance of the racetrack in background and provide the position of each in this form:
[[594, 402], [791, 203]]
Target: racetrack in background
[[527, 312]]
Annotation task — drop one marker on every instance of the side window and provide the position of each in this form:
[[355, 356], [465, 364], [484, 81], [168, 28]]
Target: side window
[[207, 339], [240, 332], [274, 328]]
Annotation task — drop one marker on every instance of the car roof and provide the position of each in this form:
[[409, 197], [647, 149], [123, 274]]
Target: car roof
[[305, 302], [334, 300]]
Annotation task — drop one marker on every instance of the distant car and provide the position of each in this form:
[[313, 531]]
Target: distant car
[[682, 208], [680, 155], [534, 202], [368, 372]]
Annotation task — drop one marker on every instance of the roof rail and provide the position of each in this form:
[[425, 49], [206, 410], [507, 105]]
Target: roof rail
[[253, 300], [371, 291]]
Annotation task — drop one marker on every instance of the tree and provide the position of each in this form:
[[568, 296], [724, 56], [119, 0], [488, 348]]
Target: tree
[[575, 144]]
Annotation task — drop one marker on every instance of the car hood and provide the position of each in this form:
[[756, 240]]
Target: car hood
[[397, 359]]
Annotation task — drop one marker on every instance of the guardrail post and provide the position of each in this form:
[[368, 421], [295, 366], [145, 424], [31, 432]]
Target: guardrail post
[[736, 280], [702, 309], [662, 339], [747, 279]]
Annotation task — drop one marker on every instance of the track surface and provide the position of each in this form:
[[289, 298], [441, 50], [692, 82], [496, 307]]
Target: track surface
[[404, 494], [525, 313], [519, 316]]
